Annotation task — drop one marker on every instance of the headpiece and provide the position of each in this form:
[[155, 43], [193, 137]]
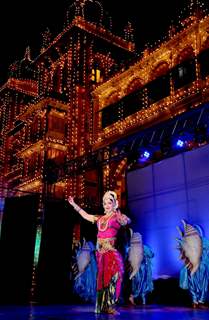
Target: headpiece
[[111, 195], [199, 229], [136, 237], [86, 246], [189, 229]]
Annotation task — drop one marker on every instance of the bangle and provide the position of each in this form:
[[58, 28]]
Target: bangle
[[77, 208]]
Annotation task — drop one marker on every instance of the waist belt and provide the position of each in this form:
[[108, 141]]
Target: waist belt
[[106, 244]]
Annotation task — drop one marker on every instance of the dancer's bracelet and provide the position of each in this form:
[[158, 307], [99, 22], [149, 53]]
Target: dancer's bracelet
[[77, 208]]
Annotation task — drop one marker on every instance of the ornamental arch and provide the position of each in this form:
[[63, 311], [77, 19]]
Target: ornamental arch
[[160, 69], [134, 84], [186, 53]]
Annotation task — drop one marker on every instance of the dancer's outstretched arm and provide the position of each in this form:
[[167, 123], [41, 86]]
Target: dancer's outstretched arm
[[83, 213]]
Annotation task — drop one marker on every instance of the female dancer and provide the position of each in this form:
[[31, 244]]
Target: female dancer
[[109, 260]]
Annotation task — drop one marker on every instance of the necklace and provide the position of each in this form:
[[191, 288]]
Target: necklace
[[103, 222]]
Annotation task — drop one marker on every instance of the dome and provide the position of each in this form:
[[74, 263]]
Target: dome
[[90, 10]]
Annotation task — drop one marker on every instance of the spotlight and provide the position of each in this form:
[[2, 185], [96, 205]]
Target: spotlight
[[146, 154], [183, 141], [180, 143]]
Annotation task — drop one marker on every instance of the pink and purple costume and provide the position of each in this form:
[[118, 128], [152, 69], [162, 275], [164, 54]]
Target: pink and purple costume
[[109, 261]]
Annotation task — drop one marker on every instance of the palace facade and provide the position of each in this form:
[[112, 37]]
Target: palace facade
[[75, 118]]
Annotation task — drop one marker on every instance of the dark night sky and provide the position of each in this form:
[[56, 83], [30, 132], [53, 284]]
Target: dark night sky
[[21, 25]]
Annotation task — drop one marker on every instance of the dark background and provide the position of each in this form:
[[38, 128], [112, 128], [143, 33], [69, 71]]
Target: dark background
[[21, 23], [17, 244]]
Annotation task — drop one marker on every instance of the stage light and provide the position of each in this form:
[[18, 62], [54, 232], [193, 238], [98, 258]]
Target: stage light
[[146, 154], [180, 143], [184, 141]]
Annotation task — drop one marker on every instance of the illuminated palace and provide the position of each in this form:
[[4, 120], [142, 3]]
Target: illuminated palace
[[76, 118]]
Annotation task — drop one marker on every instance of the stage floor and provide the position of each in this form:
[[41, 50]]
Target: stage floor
[[86, 312]]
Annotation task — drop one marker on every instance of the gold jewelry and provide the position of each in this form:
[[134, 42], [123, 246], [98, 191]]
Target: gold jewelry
[[106, 244], [103, 223]]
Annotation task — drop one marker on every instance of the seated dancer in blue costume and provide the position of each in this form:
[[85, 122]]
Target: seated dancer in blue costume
[[139, 257], [85, 280], [194, 275]]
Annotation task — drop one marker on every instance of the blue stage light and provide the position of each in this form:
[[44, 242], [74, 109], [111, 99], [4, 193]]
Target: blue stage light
[[146, 154], [180, 143]]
